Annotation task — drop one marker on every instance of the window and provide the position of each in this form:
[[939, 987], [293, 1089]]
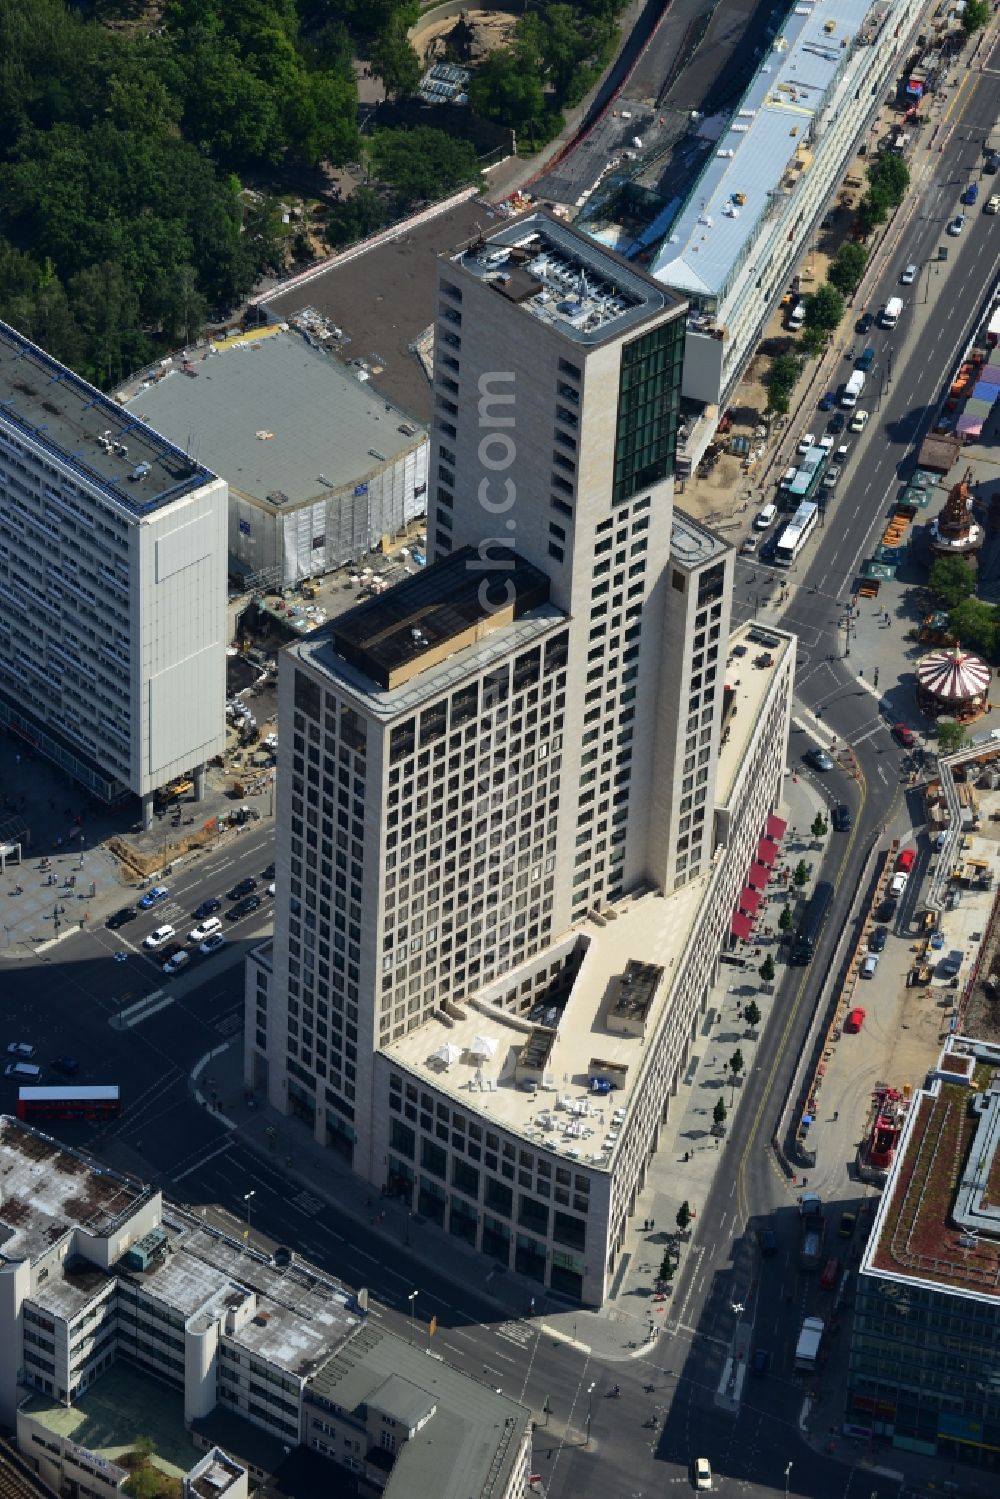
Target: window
[[648, 401]]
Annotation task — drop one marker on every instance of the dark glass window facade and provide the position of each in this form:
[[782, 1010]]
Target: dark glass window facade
[[649, 389]]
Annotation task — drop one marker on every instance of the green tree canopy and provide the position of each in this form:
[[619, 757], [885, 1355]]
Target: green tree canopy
[[950, 580], [719, 1112], [975, 16], [951, 736], [508, 92], [889, 178], [752, 1014], [767, 970], [785, 918], [683, 1216], [848, 267], [813, 341], [975, 624], [394, 61], [825, 308], [423, 163], [356, 217]]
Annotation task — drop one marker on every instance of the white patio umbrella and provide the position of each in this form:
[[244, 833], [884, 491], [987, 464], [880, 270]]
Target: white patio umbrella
[[483, 1046], [447, 1052]]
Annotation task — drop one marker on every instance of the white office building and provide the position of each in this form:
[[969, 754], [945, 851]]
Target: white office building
[[112, 585], [746, 222], [96, 1270], [514, 817]]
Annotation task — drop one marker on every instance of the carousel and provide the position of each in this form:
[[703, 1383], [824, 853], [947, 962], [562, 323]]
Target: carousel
[[953, 683]]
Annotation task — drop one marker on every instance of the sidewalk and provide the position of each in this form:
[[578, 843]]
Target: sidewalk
[[621, 1328]]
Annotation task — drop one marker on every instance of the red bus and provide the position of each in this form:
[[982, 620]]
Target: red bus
[[94, 1103]]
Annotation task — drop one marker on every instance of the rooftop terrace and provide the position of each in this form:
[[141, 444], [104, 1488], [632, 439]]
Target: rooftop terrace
[[283, 422], [434, 613], [564, 279], [939, 1220], [764, 151], [591, 1034], [104, 446], [47, 1190], [747, 686]]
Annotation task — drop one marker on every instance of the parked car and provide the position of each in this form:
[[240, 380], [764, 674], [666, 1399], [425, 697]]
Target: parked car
[[159, 938], [702, 1473], [906, 859], [268, 873], [865, 359], [761, 1361], [909, 275], [898, 884], [864, 322], [121, 918], [207, 908], [241, 888], [20, 1049], [903, 735], [65, 1066], [818, 759], [868, 968], [154, 896], [847, 1222], [827, 402], [842, 818], [806, 441], [992, 204], [769, 547], [832, 477], [204, 930], [957, 224], [859, 420], [176, 962], [212, 944], [971, 194], [877, 939], [837, 423], [887, 908]]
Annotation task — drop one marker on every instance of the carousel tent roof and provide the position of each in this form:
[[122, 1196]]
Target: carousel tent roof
[[953, 675]]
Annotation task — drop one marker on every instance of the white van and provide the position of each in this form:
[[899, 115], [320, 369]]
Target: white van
[[765, 518], [853, 388], [889, 316], [797, 317]]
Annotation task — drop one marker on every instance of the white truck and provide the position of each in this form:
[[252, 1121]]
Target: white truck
[[807, 1348]]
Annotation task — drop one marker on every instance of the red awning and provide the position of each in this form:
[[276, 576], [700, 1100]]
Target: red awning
[[758, 876], [776, 827], [749, 900], [767, 851], [741, 926]]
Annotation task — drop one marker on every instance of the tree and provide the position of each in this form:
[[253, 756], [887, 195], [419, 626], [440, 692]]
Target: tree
[[848, 267], [781, 377], [719, 1112], [951, 736], [766, 970], [975, 624], [872, 211], [812, 341], [666, 1266], [356, 217], [889, 179], [423, 163], [752, 1014], [509, 90], [394, 61], [975, 16], [683, 1216], [819, 828], [950, 580], [736, 1064], [824, 309], [785, 919], [800, 874]]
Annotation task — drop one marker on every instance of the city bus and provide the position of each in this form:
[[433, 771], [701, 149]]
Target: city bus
[[795, 535], [811, 924], [89, 1103]]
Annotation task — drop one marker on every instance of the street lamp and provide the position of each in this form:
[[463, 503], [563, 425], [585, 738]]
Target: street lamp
[[411, 1299], [787, 1475], [590, 1407], [246, 1198]]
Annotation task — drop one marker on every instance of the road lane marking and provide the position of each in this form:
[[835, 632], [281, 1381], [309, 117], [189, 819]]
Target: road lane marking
[[198, 1165]]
